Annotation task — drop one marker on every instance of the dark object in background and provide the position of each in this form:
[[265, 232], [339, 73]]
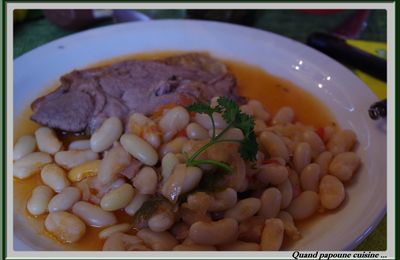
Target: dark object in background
[[122, 16], [337, 48], [76, 19], [244, 17], [378, 110], [354, 25]]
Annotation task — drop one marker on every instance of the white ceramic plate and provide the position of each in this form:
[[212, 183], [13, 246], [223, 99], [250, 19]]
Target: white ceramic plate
[[342, 92]]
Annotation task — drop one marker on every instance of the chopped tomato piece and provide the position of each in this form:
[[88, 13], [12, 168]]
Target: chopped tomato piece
[[182, 133], [321, 132], [271, 161]]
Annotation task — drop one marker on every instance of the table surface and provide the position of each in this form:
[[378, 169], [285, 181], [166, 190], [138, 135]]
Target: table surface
[[36, 31]]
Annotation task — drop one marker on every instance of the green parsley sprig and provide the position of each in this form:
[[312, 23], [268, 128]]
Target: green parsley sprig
[[231, 113]]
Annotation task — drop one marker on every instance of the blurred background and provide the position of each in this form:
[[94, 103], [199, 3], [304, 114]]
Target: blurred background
[[33, 29], [356, 38]]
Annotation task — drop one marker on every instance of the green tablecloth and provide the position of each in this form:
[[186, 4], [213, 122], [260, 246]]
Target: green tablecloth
[[297, 25]]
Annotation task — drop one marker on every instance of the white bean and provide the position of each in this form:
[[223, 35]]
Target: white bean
[[271, 201], [205, 121], [273, 173], [295, 182], [342, 141], [344, 165], [274, 145], [258, 110], [54, 177], [230, 134], [136, 203], [290, 143], [146, 181], [160, 241], [122, 242], [79, 145], [247, 110], [215, 232], [223, 200], [304, 205], [259, 126], [309, 177], [83, 186], [251, 228], [214, 101], [237, 179], [117, 183], [196, 131], [180, 230], [331, 192], [323, 160], [93, 215], [107, 232], [272, 235], [182, 179], [65, 226], [192, 178], [276, 161], [283, 116], [140, 149], [240, 246], [106, 135], [113, 162], [173, 146], [25, 145], [328, 132], [173, 121], [286, 190], [37, 203], [301, 156], [315, 142], [161, 221], [288, 223], [30, 164], [141, 125], [137, 122], [190, 217], [65, 199], [153, 137], [168, 163], [244, 209], [70, 159], [181, 157], [84, 170], [117, 198], [199, 201], [47, 140]]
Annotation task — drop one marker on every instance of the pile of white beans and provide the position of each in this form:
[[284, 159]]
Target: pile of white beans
[[298, 173]]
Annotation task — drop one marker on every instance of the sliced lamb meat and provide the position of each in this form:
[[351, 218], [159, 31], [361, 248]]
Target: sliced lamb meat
[[87, 97], [72, 110]]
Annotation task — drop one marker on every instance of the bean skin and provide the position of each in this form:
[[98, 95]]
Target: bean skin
[[272, 235], [331, 192], [304, 205]]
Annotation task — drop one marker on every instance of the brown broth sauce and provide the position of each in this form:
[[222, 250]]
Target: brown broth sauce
[[253, 83]]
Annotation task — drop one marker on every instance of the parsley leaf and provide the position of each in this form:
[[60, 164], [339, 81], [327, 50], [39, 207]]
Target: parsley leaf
[[230, 110], [231, 113], [202, 108], [249, 147]]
